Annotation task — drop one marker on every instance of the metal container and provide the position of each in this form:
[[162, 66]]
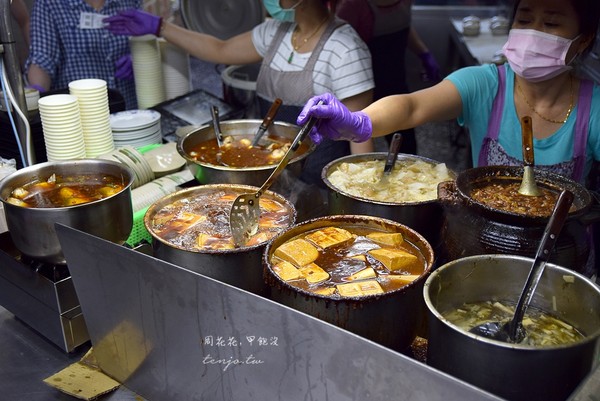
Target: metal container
[[32, 229], [425, 217], [240, 267], [512, 371], [391, 319], [207, 173], [473, 228]]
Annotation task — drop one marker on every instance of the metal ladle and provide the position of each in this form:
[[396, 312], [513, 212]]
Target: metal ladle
[[267, 121], [245, 211], [513, 331], [528, 185], [390, 160]]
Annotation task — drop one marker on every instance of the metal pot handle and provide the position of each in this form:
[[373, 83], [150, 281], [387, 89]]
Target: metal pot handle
[[593, 214], [449, 196]]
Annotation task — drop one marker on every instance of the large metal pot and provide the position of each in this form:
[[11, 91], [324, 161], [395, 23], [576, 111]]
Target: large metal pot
[[425, 217], [512, 371], [207, 173], [240, 267], [391, 319], [32, 229], [473, 228]]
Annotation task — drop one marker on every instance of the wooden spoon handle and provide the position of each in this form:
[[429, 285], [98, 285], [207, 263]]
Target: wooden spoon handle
[[527, 132]]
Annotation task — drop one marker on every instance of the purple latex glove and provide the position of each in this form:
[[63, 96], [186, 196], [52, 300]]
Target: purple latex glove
[[124, 67], [431, 67], [133, 23], [335, 122]]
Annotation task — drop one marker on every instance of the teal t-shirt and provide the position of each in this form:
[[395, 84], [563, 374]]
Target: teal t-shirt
[[478, 87]]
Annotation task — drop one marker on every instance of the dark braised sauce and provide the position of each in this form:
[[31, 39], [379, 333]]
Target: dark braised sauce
[[62, 191], [237, 152], [202, 220], [339, 263], [504, 195]]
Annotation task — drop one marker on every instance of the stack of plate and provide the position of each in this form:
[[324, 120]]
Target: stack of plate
[[136, 128], [132, 158], [92, 96], [147, 70], [61, 125], [175, 69]]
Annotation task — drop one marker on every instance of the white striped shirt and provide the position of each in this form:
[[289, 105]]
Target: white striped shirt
[[343, 67]]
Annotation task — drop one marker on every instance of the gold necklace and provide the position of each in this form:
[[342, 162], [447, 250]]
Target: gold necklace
[[569, 110], [295, 47]]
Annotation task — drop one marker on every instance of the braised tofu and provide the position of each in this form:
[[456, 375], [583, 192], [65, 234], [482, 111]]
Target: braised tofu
[[328, 237], [314, 274], [393, 239], [299, 252], [359, 288], [394, 259], [402, 278], [326, 291], [363, 274], [287, 271]]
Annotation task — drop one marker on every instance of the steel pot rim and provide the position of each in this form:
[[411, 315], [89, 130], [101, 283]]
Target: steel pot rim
[[152, 209], [356, 219], [435, 312], [26, 172], [377, 156], [181, 140]]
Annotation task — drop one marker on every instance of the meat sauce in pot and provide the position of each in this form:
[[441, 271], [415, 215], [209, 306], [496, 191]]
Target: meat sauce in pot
[[238, 152]]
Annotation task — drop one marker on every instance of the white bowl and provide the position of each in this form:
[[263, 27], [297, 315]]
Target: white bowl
[[164, 159]]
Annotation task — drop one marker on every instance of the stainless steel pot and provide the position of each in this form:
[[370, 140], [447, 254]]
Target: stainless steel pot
[[240, 267], [473, 228], [425, 217], [32, 229], [391, 319], [213, 174], [512, 371]]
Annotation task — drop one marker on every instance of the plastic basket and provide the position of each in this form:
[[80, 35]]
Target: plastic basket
[[138, 231]]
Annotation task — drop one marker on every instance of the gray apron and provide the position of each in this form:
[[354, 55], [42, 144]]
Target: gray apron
[[295, 88]]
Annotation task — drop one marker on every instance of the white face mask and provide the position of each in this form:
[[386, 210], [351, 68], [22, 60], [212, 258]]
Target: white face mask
[[536, 56]]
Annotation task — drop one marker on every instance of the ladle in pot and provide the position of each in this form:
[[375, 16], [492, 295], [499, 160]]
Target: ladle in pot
[[245, 211], [528, 185], [513, 331], [392, 155], [267, 121], [214, 110]]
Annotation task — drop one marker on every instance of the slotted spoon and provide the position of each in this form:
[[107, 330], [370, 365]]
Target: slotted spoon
[[245, 210]]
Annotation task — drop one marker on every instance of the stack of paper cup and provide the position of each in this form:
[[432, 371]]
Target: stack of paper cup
[[92, 96], [175, 68], [61, 126], [147, 71], [151, 192]]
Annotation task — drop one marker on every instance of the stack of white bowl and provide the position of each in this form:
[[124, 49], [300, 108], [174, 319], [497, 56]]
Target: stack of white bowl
[[175, 69], [136, 128], [61, 125], [147, 70], [132, 158], [92, 96]]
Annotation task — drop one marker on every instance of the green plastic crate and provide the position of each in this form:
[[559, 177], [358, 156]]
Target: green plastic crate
[[138, 231]]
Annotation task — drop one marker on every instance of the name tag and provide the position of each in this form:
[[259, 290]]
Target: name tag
[[91, 21]]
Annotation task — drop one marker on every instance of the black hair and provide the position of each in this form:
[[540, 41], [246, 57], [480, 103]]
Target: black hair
[[588, 13]]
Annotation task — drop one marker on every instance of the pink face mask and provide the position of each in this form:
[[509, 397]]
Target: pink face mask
[[536, 56]]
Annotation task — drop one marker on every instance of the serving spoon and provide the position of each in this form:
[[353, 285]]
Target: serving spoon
[[267, 121], [513, 330], [528, 185], [245, 211], [392, 155]]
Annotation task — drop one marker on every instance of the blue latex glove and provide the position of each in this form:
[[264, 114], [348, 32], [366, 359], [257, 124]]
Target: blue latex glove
[[133, 23], [335, 122], [124, 67], [431, 67]]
